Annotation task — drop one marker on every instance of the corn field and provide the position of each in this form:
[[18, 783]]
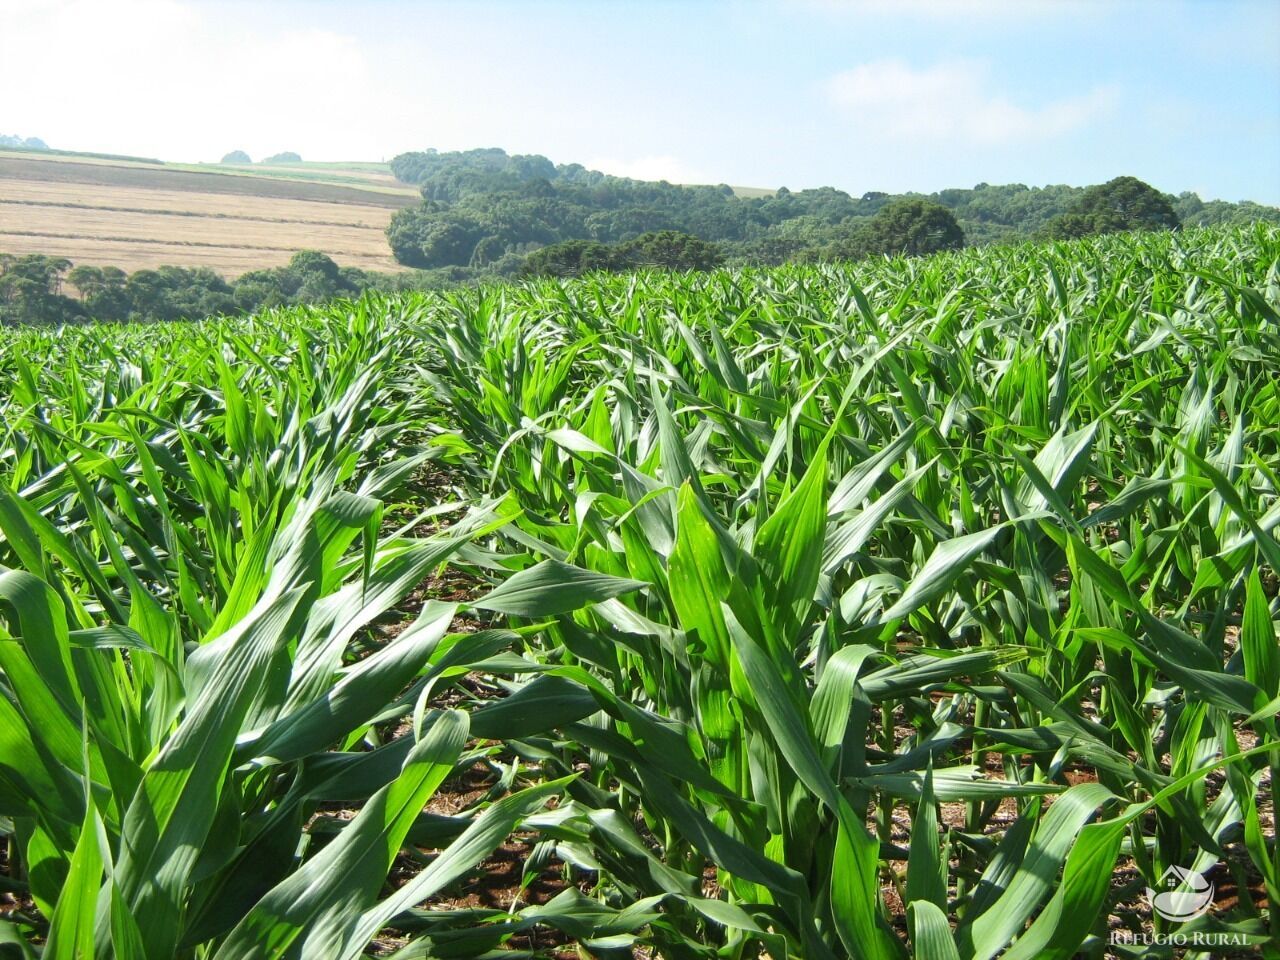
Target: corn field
[[906, 608]]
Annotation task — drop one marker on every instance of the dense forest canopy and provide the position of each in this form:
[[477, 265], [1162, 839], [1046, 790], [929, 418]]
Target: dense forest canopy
[[486, 211]]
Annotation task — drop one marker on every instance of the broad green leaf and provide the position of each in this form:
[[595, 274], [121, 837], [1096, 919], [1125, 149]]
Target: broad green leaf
[[322, 900], [788, 546], [168, 819], [552, 587], [489, 830], [926, 866], [1258, 644], [71, 928], [930, 932], [987, 934], [948, 561]]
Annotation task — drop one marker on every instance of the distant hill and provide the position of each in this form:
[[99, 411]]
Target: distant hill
[[485, 210]]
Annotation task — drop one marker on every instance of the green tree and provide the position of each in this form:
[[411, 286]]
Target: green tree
[[316, 274], [287, 156], [663, 250], [236, 156], [570, 259], [102, 291], [31, 290], [434, 236], [178, 293], [670, 250], [1194, 212], [1125, 203], [912, 226], [258, 290], [25, 143]]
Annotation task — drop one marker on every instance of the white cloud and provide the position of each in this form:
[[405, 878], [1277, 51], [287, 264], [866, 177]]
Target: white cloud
[[651, 167], [173, 79], [953, 102]]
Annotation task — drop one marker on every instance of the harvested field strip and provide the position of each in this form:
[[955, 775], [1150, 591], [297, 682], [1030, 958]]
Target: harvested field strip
[[151, 198], [165, 243], [169, 179], [170, 228], [376, 175], [129, 255], [185, 213]]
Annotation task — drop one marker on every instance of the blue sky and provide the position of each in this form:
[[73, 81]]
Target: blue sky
[[859, 94]]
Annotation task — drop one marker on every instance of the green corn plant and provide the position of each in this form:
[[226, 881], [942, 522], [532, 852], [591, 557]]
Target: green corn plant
[[176, 684], [987, 509], [854, 610]]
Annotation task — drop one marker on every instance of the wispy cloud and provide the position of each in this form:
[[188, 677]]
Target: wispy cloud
[[955, 101]]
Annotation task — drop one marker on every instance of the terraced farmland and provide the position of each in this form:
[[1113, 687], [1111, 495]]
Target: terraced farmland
[[916, 607]]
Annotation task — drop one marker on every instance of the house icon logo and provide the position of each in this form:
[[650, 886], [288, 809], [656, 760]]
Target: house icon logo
[[1185, 895]]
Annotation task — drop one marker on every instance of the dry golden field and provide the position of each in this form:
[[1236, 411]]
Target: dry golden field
[[233, 219]]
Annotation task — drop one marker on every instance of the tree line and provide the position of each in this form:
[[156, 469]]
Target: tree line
[[35, 288], [485, 212], [240, 157], [12, 140]]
